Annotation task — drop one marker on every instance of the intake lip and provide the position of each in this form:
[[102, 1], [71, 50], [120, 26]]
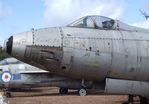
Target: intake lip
[[9, 45]]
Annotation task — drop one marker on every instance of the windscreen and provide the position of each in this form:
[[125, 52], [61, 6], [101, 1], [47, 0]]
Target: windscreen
[[97, 22]]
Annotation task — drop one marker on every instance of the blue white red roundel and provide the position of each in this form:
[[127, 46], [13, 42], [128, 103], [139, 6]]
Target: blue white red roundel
[[6, 77]]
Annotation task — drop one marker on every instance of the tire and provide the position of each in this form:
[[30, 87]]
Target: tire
[[63, 91], [143, 100], [8, 95], [82, 92]]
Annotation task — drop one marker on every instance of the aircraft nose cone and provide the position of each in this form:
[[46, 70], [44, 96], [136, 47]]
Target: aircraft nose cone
[[9, 44]]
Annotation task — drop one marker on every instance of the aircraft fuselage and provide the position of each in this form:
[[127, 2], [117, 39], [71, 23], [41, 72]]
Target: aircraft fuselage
[[85, 53]]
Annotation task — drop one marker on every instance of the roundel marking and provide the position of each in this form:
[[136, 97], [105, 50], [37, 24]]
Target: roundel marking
[[6, 77]]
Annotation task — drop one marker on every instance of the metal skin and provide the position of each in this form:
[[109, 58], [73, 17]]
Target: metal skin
[[86, 50], [26, 76]]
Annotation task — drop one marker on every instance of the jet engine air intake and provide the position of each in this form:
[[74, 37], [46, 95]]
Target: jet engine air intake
[[9, 45]]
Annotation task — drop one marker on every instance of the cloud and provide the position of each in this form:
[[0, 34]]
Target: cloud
[[62, 12], [143, 24]]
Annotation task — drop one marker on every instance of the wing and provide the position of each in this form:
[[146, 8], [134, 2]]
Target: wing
[[145, 15]]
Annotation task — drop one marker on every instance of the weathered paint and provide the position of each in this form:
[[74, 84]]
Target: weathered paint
[[91, 53], [87, 53]]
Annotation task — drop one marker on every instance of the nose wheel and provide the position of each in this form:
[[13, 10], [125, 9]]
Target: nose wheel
[[82, 92]]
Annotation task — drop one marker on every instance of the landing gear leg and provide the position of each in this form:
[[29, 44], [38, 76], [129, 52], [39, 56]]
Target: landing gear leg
[[130, 100], [63, 91], [82, 91], [7, 93]]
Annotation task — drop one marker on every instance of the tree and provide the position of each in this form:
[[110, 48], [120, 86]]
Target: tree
[[3, 54]]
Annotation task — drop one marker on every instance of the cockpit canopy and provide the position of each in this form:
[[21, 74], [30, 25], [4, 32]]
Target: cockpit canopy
[[104, 23], [98, 22]]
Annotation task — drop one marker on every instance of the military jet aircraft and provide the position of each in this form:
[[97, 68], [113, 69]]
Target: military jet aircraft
[[93, 48], [145, 15], [15, 74]]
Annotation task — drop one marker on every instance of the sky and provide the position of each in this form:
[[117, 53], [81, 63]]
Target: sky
[[23, 15]]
